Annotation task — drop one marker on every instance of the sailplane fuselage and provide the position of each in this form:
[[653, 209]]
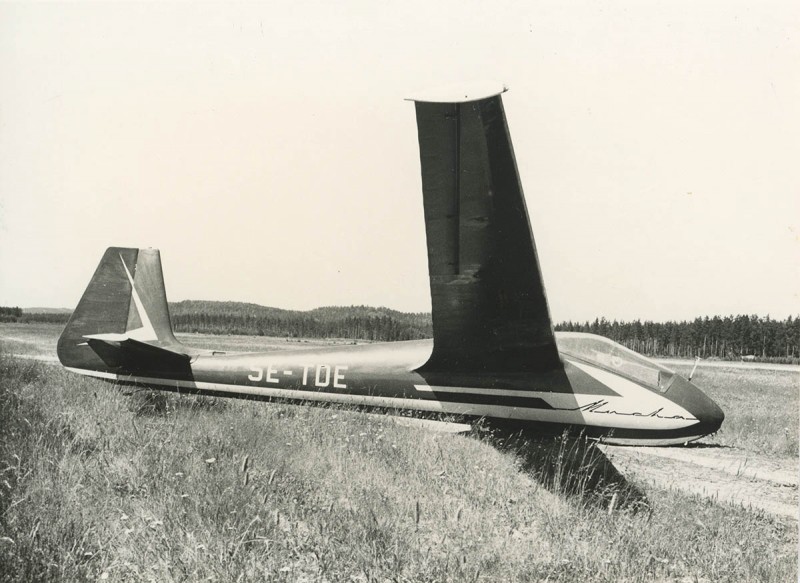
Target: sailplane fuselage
[[582, 395]]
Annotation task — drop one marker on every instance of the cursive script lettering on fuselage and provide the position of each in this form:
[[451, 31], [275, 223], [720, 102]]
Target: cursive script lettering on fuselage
[[601, 407]]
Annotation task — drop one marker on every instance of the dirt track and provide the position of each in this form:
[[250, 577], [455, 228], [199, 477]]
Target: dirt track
[[723, 473]]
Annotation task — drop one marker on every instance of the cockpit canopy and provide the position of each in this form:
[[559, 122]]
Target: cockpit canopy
[[607, 354]]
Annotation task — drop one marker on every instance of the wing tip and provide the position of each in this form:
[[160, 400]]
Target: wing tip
[[460, 93]]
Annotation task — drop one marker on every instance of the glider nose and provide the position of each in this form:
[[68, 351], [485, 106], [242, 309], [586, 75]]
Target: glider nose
[[700, 405]]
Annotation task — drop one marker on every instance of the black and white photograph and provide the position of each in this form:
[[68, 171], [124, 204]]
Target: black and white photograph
[[404, 292]]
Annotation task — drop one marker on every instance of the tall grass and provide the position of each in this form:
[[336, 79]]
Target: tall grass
[[572, 467], [760, 407], [97, 483]]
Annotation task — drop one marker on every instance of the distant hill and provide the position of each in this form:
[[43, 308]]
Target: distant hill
[[209, 317], [357, 322], [212, 307]]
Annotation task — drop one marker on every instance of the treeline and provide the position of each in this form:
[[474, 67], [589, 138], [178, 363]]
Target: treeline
[[10, 314], [728, 338], [356, 322], [15, 314]]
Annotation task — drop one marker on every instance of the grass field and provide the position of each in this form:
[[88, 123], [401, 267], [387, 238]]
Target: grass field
[[761, 407], [97, 484]]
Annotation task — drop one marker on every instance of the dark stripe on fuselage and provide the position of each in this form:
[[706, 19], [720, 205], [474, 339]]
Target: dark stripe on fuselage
[[489, 399]]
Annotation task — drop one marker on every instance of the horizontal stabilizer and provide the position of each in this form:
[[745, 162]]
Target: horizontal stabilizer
[[120, 350]]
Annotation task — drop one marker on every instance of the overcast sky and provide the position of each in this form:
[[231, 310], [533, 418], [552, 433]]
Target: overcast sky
[[268, 152]]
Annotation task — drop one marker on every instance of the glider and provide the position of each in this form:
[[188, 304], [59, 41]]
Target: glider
[[493, 354]]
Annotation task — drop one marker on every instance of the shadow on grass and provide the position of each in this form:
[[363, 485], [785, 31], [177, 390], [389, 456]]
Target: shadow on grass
[[572, 466]]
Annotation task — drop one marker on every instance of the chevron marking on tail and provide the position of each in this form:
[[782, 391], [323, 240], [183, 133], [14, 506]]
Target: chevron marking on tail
[[146, 332]]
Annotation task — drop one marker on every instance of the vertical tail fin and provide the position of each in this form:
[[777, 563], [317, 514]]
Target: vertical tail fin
[[125, 298], [489, 306]]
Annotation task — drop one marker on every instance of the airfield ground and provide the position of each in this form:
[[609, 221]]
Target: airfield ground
[[100, 483]]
